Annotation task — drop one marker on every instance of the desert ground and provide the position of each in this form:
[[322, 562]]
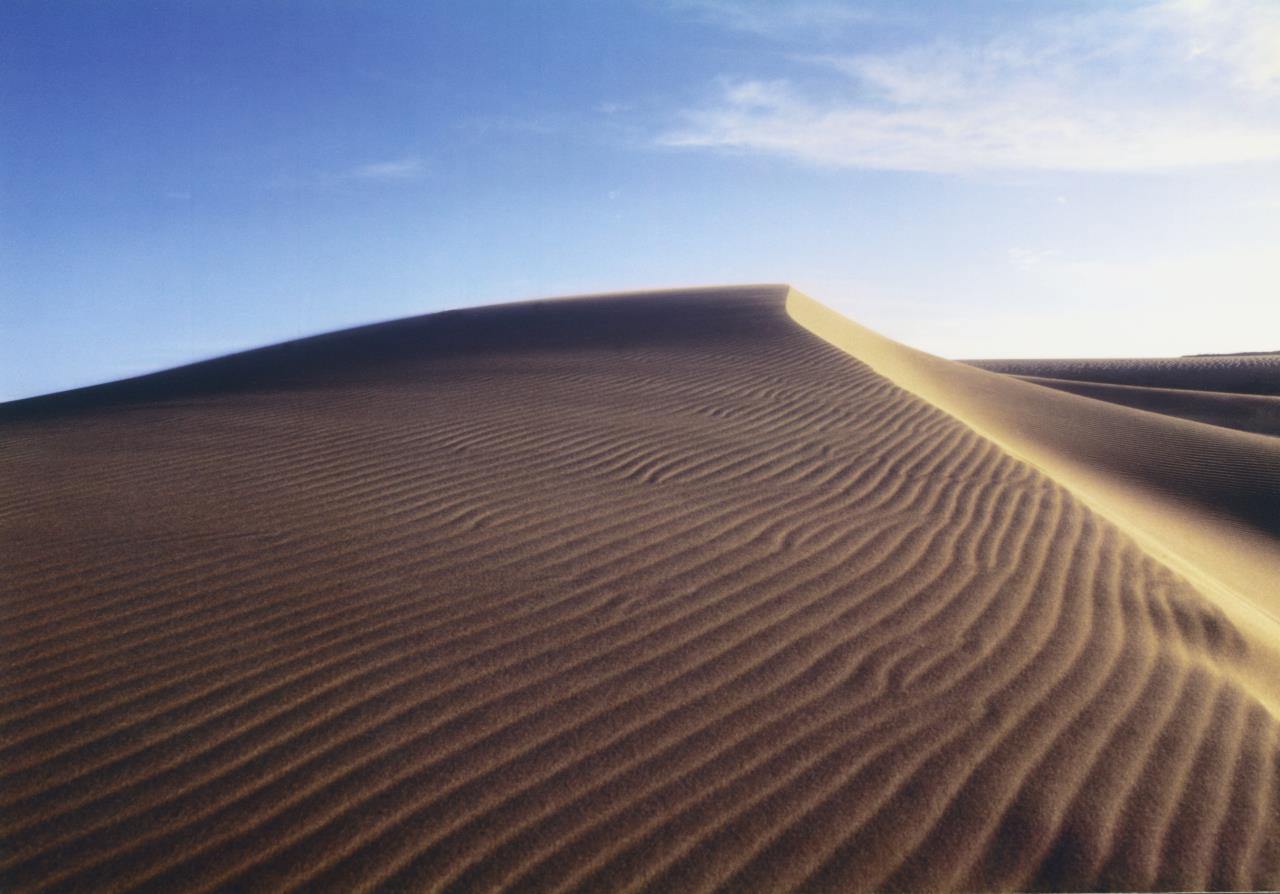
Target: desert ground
[[674, 591]]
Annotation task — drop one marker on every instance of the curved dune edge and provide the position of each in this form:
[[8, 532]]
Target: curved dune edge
[[1195, 497]]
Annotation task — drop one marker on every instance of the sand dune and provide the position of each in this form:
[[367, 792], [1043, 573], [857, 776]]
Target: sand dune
[[1228, 373], [674, 591], [1240, 391], [1246, 412], [1203, 499]]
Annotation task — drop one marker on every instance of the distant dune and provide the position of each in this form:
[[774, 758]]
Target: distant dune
[[1244, 412], [1240, 391], [669, 591], [1226, 373]]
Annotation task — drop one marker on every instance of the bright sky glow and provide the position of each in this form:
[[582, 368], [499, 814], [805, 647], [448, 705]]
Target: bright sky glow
[[984, 178]]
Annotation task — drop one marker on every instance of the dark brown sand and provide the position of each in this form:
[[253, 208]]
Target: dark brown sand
[[659, 591]]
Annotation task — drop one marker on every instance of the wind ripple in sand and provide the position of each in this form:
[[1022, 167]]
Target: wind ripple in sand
[[652, 592]]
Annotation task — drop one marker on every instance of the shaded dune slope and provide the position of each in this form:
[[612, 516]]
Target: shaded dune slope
[[659, 592]]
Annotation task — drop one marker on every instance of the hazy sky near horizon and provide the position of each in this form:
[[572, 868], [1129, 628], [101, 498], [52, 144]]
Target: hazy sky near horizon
[[977, 179]]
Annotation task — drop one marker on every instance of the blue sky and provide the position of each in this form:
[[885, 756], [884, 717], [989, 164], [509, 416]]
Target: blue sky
[[179, 180]]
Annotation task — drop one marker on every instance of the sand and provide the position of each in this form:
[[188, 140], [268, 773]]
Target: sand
[[1240, 391], [673, 591], [1224, 373]]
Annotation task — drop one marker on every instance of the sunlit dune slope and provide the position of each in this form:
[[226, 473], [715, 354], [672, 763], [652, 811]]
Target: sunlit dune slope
[[1205, 499], [660, 591]]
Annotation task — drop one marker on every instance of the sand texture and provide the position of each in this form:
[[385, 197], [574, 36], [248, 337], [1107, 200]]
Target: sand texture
[[676, 591]]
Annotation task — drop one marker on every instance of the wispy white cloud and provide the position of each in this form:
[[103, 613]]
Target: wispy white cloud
[[1160, 85], [1027, 258], [407, 168], [1240, 37]]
